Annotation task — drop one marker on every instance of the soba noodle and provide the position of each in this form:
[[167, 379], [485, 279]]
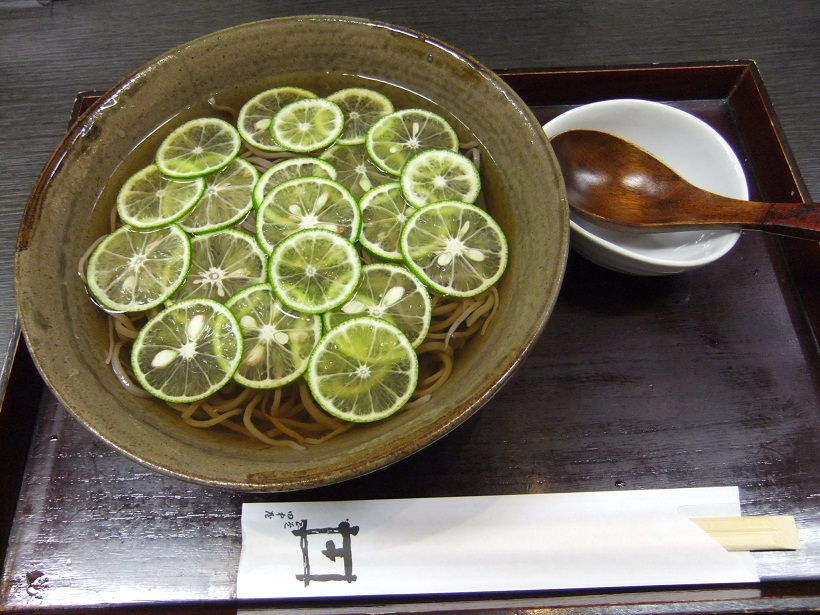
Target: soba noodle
[[288, 416]]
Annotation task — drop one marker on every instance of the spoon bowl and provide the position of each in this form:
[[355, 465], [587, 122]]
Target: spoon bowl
[[617, 184]]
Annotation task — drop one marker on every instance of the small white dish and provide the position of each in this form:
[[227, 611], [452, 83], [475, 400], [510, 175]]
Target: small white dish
[[687, 145]]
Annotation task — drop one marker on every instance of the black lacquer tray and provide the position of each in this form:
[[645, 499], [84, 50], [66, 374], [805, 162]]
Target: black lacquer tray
[[702, 379]]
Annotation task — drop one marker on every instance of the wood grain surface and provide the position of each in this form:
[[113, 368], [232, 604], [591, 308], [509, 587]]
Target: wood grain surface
[[636, 384]]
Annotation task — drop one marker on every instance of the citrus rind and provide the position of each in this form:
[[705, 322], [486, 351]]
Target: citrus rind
[[188, 351], [437, 175], [198, 147], [134, 271], [363, 370], [307, 125], [391, 293], [455, 248], [314, 270], [277, 342], [149, 200]]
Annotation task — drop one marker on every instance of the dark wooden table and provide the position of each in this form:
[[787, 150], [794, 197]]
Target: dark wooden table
[[708, 378]]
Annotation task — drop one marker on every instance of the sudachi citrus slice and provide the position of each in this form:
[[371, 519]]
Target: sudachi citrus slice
[[363, 370], [222, 263], [290, 168], [307, 125], [455, 248], [437, 175], [393, 139], [228, 198], [277, 341], [307, 202], [314, 270], [384, 212], [198, 147], [149, 200], [255, 116], [389, 292], [354, 168], [188, 351], [362, 107], [133, 271]]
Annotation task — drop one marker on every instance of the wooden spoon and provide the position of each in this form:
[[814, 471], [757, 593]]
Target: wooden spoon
[[618, 185]]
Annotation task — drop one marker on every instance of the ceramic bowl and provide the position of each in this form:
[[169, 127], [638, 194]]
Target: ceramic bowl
[[69, 208], [686, 144]]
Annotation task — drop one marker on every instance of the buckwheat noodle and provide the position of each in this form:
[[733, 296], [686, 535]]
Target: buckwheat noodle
[[288, 416]]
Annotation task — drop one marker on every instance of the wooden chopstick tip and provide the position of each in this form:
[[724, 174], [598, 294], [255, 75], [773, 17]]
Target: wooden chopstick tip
[[752, 533]]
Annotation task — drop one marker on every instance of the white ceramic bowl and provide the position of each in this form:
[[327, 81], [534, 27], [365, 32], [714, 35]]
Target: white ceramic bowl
[[686, 144]]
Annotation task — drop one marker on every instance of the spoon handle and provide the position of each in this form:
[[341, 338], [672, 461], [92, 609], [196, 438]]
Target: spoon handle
[[800, 220]]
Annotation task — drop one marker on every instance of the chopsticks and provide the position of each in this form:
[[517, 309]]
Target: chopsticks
[[752, 533]]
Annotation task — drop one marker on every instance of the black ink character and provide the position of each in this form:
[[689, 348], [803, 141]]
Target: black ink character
[[331, 551]]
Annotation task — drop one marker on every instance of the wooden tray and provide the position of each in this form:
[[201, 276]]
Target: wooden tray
[[703, 379]]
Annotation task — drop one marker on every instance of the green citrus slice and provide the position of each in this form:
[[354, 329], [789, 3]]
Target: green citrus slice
[[314, 270], [198, 147], [188, 351], [277, 341], [389, 292], [306, 202], [384, 212], [256, 115], [363, 370], [307, 125], [290, 168], [355, 170], [362, 107], [222, 263], [149, 200], [132, 271], [228, 198], [455, 248], [393, 139], [437, 175]]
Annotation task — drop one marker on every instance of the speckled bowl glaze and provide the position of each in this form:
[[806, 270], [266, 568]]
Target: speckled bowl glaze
[[70, 205]]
